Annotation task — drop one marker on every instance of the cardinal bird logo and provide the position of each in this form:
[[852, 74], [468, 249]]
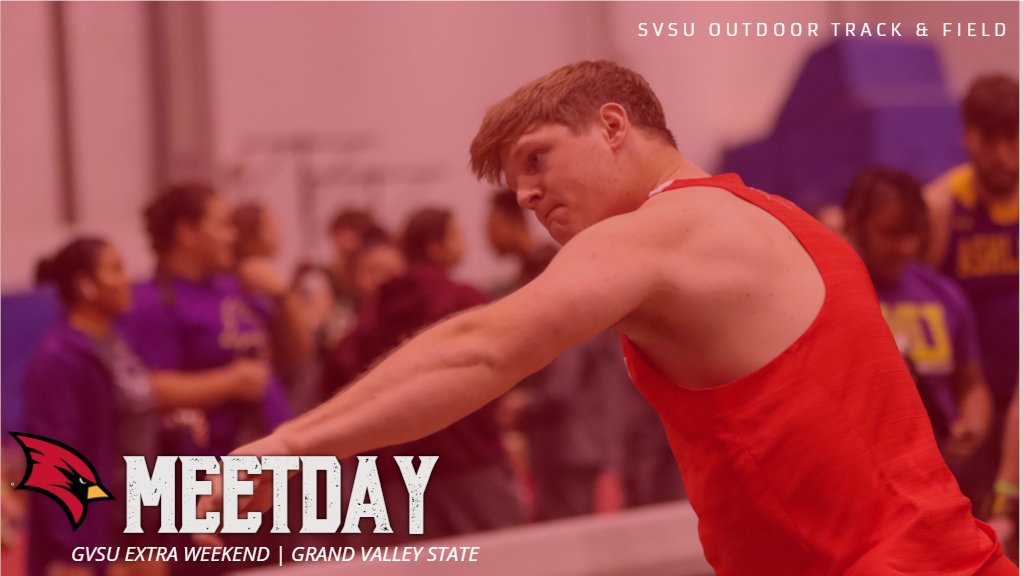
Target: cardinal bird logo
[[62, 473]]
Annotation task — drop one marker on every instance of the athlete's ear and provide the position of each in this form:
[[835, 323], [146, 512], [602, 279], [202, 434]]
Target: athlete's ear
[[614, 124]]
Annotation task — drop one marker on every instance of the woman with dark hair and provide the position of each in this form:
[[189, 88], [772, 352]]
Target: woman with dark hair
[[934, 326], [257, 242], [198, 326], [432, 237], [85, 386], [258, 233], [347, 231]]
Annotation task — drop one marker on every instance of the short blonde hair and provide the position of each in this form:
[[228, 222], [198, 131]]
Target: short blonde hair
[[570, 96]]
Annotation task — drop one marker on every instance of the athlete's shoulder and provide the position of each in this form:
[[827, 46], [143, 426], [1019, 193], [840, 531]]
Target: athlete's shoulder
[[644, 222], [686, 207], [633, 248], [647, 231]]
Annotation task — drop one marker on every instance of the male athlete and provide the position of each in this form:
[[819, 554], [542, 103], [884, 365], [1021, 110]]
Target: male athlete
[[752, 329], [975, 225]]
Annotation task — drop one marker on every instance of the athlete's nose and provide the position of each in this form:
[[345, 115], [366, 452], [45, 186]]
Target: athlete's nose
[[528, 196]]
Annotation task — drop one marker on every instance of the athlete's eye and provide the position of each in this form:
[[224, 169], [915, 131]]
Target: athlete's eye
[[534, 159]]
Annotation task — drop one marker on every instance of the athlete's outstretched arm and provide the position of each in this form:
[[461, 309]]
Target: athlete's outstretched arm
[[462, 363]]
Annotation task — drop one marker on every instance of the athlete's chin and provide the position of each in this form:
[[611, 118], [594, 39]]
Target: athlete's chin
[[561, 233]]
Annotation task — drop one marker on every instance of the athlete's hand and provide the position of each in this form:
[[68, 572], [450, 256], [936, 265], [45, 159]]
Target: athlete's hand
[[262, 486]]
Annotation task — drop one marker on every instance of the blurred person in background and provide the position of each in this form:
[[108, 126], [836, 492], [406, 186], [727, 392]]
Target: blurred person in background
[[314, 292], [473, 485], [975, 240], [347, 231], [831, 215], [509, 235], [205, 322], [377, 261], [13, 506], [573, 415], [1004, 513], [886, 219], [315, 289], [85, 386], [258, 234], [198, 326], [328, 293], [256, 246], [432, 240]]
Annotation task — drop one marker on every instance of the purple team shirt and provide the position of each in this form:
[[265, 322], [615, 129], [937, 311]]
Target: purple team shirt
[[935, 328], [984, 258], [181, 325]]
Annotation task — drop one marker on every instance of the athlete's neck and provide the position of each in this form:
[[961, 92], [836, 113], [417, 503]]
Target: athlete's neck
[[673, 166]]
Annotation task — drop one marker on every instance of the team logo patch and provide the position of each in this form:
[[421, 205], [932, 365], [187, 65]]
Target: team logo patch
[[61, 473]]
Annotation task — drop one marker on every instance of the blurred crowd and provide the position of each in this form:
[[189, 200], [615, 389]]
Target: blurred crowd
[[219, 347], [944, 260]]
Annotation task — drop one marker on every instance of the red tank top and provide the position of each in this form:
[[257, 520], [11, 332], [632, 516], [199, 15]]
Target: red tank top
[[822, 461]]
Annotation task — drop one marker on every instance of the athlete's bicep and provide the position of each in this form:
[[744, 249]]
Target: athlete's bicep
[[597, 279]]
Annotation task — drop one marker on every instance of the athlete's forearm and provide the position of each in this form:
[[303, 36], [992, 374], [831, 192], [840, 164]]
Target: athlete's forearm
[[442, 375]]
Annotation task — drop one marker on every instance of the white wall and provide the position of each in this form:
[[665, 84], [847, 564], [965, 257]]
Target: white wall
[[720, 92], [417, 77], [112, 123], [965, 58], [111, 139], [29, 207]]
